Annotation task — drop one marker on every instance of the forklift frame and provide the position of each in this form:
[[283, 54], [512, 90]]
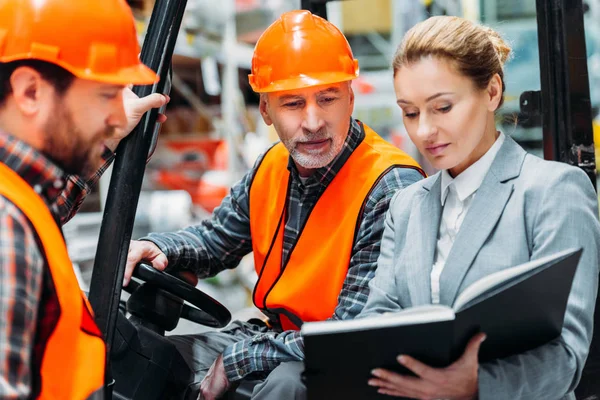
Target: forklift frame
[[565, 92], [566, 112], [126, 180]]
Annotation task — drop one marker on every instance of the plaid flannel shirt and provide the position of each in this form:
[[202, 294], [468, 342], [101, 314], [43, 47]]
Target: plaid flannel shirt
[[220, 243], [29, 308]]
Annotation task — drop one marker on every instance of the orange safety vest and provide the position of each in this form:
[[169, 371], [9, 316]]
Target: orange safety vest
[[307, 287], [74, 357]]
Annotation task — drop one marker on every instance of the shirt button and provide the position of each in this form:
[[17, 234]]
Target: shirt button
[[58, 184], [241, 372], [38, 189]]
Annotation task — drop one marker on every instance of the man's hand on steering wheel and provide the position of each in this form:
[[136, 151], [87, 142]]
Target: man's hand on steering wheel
[[143, 250]]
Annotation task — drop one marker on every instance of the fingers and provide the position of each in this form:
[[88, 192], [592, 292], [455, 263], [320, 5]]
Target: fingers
[[206, 385], [160, 261], [394, 384], [154, 100], [420, 369], [143, 250], [204, 395], [458, 380], [472, 351], [141, 105], [189, 277], [386, 378], [393, 393], [382, 384], [134, 255]]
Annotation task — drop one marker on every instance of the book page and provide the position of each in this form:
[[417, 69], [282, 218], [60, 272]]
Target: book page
[[410, 316], [488, 282]]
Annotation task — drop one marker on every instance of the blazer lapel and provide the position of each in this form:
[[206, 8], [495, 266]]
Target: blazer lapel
[[426, 219], [483, 215]]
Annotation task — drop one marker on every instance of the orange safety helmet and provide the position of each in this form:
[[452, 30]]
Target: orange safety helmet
[[301, 50], [94, 40]]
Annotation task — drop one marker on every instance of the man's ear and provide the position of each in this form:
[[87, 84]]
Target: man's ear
[[351, 91], [263, 107], [28, 90]]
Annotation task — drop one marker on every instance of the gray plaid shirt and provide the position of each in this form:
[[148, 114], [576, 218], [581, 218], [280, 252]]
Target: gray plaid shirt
[[221, 242]]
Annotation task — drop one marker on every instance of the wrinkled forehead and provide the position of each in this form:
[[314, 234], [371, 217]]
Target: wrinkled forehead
[[341, 88]]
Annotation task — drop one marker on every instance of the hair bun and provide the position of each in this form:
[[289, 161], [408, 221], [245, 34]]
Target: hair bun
[[503, 50]]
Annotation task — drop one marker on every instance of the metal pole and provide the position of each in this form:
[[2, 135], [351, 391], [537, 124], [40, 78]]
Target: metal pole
[[567, 120], [566, 105], [317, 7], [126, 180]]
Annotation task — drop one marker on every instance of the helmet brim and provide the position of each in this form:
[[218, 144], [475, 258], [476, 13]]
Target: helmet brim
[[136, 75], [302, 81]]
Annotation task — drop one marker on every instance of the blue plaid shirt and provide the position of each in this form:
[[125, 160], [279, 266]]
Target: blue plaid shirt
[[221, 242]]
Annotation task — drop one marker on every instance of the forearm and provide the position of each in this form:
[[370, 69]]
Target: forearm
[[548, 372], [262, 353], [200, 249], [217, 243], [553, 370]]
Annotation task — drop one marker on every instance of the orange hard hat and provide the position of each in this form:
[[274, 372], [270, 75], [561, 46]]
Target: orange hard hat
[[94, 40], [301, 50]]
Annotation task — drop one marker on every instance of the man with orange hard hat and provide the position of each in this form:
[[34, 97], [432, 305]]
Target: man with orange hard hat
[[64, 67], [312, 211]]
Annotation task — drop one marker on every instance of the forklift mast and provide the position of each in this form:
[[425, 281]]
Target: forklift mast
[[566, 108], [126, 180], [563, 103], [566, 112]]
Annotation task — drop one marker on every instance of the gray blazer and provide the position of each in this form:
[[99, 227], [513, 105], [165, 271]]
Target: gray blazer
[[526, 208]]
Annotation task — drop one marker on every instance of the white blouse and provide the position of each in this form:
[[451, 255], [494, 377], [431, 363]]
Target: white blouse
[[457, 195]]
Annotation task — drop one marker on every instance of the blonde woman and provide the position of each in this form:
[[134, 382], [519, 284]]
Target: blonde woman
[[491, 206]]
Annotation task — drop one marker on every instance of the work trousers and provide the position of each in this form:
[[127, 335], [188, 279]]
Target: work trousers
[[201, 350]]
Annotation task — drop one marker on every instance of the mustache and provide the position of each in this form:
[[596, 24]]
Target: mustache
[[309, 136]]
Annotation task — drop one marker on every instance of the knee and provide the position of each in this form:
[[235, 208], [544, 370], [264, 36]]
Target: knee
[[286, 379], [289, 383]]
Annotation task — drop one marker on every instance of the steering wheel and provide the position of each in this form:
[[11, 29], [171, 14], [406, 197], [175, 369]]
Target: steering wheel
[[207, 311]]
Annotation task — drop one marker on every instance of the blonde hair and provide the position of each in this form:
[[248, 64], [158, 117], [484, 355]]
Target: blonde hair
[[478, 52]]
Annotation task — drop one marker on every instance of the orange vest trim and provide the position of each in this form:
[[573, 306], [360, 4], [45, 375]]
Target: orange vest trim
[[74, 358], [307, 287]]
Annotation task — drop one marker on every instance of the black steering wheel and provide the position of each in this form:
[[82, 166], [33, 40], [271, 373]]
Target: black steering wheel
[[207, 311]]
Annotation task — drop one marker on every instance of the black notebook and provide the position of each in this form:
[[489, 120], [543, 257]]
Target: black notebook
[[519, 308]]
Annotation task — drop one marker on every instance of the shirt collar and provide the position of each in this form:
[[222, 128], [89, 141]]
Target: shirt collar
[[471, 178], [325, 175], [45, 177]]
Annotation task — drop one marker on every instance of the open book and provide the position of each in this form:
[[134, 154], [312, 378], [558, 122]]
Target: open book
[[519, 308]]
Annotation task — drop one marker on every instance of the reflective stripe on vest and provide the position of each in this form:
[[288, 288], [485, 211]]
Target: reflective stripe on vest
[[307, 287], [74, 357]]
